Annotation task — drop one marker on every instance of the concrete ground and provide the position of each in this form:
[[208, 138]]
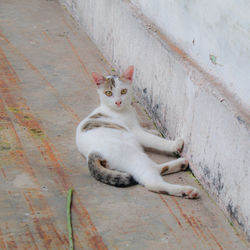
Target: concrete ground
[[45, 90]]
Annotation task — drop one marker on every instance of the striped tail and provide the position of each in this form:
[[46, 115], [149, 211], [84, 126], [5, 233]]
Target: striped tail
[[98, 168]]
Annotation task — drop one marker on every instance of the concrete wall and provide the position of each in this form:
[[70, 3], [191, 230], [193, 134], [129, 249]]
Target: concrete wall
[[186, 91], [203, 28]]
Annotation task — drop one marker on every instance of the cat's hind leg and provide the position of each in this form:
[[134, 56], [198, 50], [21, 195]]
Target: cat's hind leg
[[174, 166], [162, 187], [150, 178]]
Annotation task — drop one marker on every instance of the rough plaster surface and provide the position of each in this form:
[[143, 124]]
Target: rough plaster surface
[[204, 28], [185, 97]]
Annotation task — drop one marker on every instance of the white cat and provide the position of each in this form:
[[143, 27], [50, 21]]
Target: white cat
[[112, 141]]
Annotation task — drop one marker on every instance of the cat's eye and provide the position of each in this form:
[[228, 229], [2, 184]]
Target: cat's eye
[[108, 93], [124, 91]]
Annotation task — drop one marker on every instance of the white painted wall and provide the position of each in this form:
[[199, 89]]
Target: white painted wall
[[203, 28], [187, 95]]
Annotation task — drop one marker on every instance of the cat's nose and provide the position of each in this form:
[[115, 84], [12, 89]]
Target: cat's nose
[[118, 103]]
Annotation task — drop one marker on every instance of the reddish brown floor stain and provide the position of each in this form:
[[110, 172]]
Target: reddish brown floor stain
[[186, 217], [46, 36], [2, 244], [11, 243], [193, 220], [30, 236], [40, 75], [85, 70], [20, 109], [212, 236], [170, 210], [19, 159], [3, 172], [70, 27], [193, 224], [43, 235]]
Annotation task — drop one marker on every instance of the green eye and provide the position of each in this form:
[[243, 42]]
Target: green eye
[[124, 91], [108, 93]]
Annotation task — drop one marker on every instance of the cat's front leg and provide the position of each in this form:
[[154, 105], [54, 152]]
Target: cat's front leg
[[157, 143]]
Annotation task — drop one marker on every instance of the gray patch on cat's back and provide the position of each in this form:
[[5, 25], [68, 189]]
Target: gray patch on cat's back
[[93, 124], [98, 115]]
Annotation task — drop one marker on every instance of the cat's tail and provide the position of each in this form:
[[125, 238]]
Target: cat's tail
[[98, 168]]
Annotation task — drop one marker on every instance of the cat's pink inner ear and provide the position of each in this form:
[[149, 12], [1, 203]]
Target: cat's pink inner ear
[[98, 78], [128, 74]]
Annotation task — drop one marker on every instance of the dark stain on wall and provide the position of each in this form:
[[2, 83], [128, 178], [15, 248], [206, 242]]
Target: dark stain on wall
[[218, 183], [240, 120], [234, 213], [206, 171], [155, 110], [146, 99]]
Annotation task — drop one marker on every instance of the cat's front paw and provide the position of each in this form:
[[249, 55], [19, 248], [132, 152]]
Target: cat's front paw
[[179, 144], [184, 165]]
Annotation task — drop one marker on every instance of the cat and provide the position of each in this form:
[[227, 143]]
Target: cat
[[112, 141]]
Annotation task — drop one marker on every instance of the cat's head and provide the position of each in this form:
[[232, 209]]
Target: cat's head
[[115, 91]]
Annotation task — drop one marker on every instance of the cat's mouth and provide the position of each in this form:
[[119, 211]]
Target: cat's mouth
[[118, 108]]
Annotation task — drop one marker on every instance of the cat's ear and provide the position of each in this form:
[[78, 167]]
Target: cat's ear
[[128, 74], [98, 79]]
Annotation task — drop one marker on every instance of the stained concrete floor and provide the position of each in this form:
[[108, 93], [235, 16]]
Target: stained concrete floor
[[45, 90]]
